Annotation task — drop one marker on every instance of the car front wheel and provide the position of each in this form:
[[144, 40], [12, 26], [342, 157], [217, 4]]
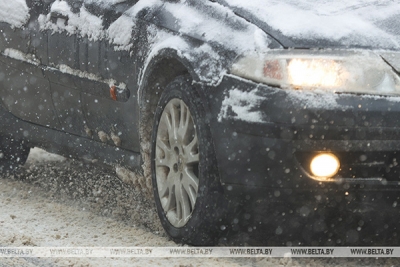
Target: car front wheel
[[185, 177]]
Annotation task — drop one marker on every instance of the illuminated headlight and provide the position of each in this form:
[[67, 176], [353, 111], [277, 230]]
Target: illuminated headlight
[[325, 165], [337, 71]]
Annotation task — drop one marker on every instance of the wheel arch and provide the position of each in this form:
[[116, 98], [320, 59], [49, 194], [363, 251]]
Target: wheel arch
[[161, 70]]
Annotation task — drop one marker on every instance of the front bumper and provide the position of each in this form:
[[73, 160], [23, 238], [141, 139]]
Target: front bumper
[[263, 161], [264, 137]]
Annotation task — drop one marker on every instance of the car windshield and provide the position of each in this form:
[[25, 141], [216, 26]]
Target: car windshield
[[364, 23]]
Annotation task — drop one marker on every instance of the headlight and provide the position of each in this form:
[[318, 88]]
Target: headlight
[[337, 71]]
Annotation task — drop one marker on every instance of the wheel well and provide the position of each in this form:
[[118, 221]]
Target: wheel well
[[160, 75]]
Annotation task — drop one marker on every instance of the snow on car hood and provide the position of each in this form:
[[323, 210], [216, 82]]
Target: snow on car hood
[[325, 23]]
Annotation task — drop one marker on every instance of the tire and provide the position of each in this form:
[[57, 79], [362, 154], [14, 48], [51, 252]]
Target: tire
[[12, 154], [185, 178]]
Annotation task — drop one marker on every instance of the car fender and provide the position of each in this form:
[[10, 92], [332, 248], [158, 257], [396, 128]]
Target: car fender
[[196, 59]]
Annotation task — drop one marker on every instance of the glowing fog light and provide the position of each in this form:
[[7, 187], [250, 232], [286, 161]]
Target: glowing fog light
[[325, 165]]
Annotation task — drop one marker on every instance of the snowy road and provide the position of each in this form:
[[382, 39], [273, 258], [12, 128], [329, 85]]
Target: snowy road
[[52, 201]]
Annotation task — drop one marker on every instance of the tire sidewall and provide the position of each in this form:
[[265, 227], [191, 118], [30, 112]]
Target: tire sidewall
[[202, 227]]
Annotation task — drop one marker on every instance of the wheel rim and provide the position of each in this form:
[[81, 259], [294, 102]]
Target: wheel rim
[[177, 162]]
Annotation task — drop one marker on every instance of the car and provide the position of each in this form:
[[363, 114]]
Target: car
[[234, 116]]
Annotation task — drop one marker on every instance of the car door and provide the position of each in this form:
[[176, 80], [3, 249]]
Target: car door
[[91, 76], [60, 70], [24, 90]]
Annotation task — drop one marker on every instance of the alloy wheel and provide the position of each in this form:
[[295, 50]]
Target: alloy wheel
[[177, 162]]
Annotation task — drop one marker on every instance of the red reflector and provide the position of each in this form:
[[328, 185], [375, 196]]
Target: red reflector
[[113, 93]]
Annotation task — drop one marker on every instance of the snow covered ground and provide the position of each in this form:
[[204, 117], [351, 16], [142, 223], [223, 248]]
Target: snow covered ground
[[53, 201]]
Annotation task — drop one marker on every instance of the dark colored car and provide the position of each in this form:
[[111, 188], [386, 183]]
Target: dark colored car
[[237, 115]]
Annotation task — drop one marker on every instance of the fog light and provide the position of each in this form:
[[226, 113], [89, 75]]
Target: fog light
[[325, 165]]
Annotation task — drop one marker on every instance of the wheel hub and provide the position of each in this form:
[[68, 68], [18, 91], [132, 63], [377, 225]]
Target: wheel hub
[[180, 163]]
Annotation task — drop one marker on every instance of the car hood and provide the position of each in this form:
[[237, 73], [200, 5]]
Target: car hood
[[325, 23]]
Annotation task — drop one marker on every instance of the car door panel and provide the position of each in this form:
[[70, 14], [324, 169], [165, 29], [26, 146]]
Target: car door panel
[[15, 38], [66, 99], [89, 56], [25, 95], [39, 46], [24, 91], [38, 42], [62, 50], [78, 84]]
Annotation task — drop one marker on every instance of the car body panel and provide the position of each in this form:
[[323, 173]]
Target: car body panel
[[263, 153], [84, 63], [16, 42]]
